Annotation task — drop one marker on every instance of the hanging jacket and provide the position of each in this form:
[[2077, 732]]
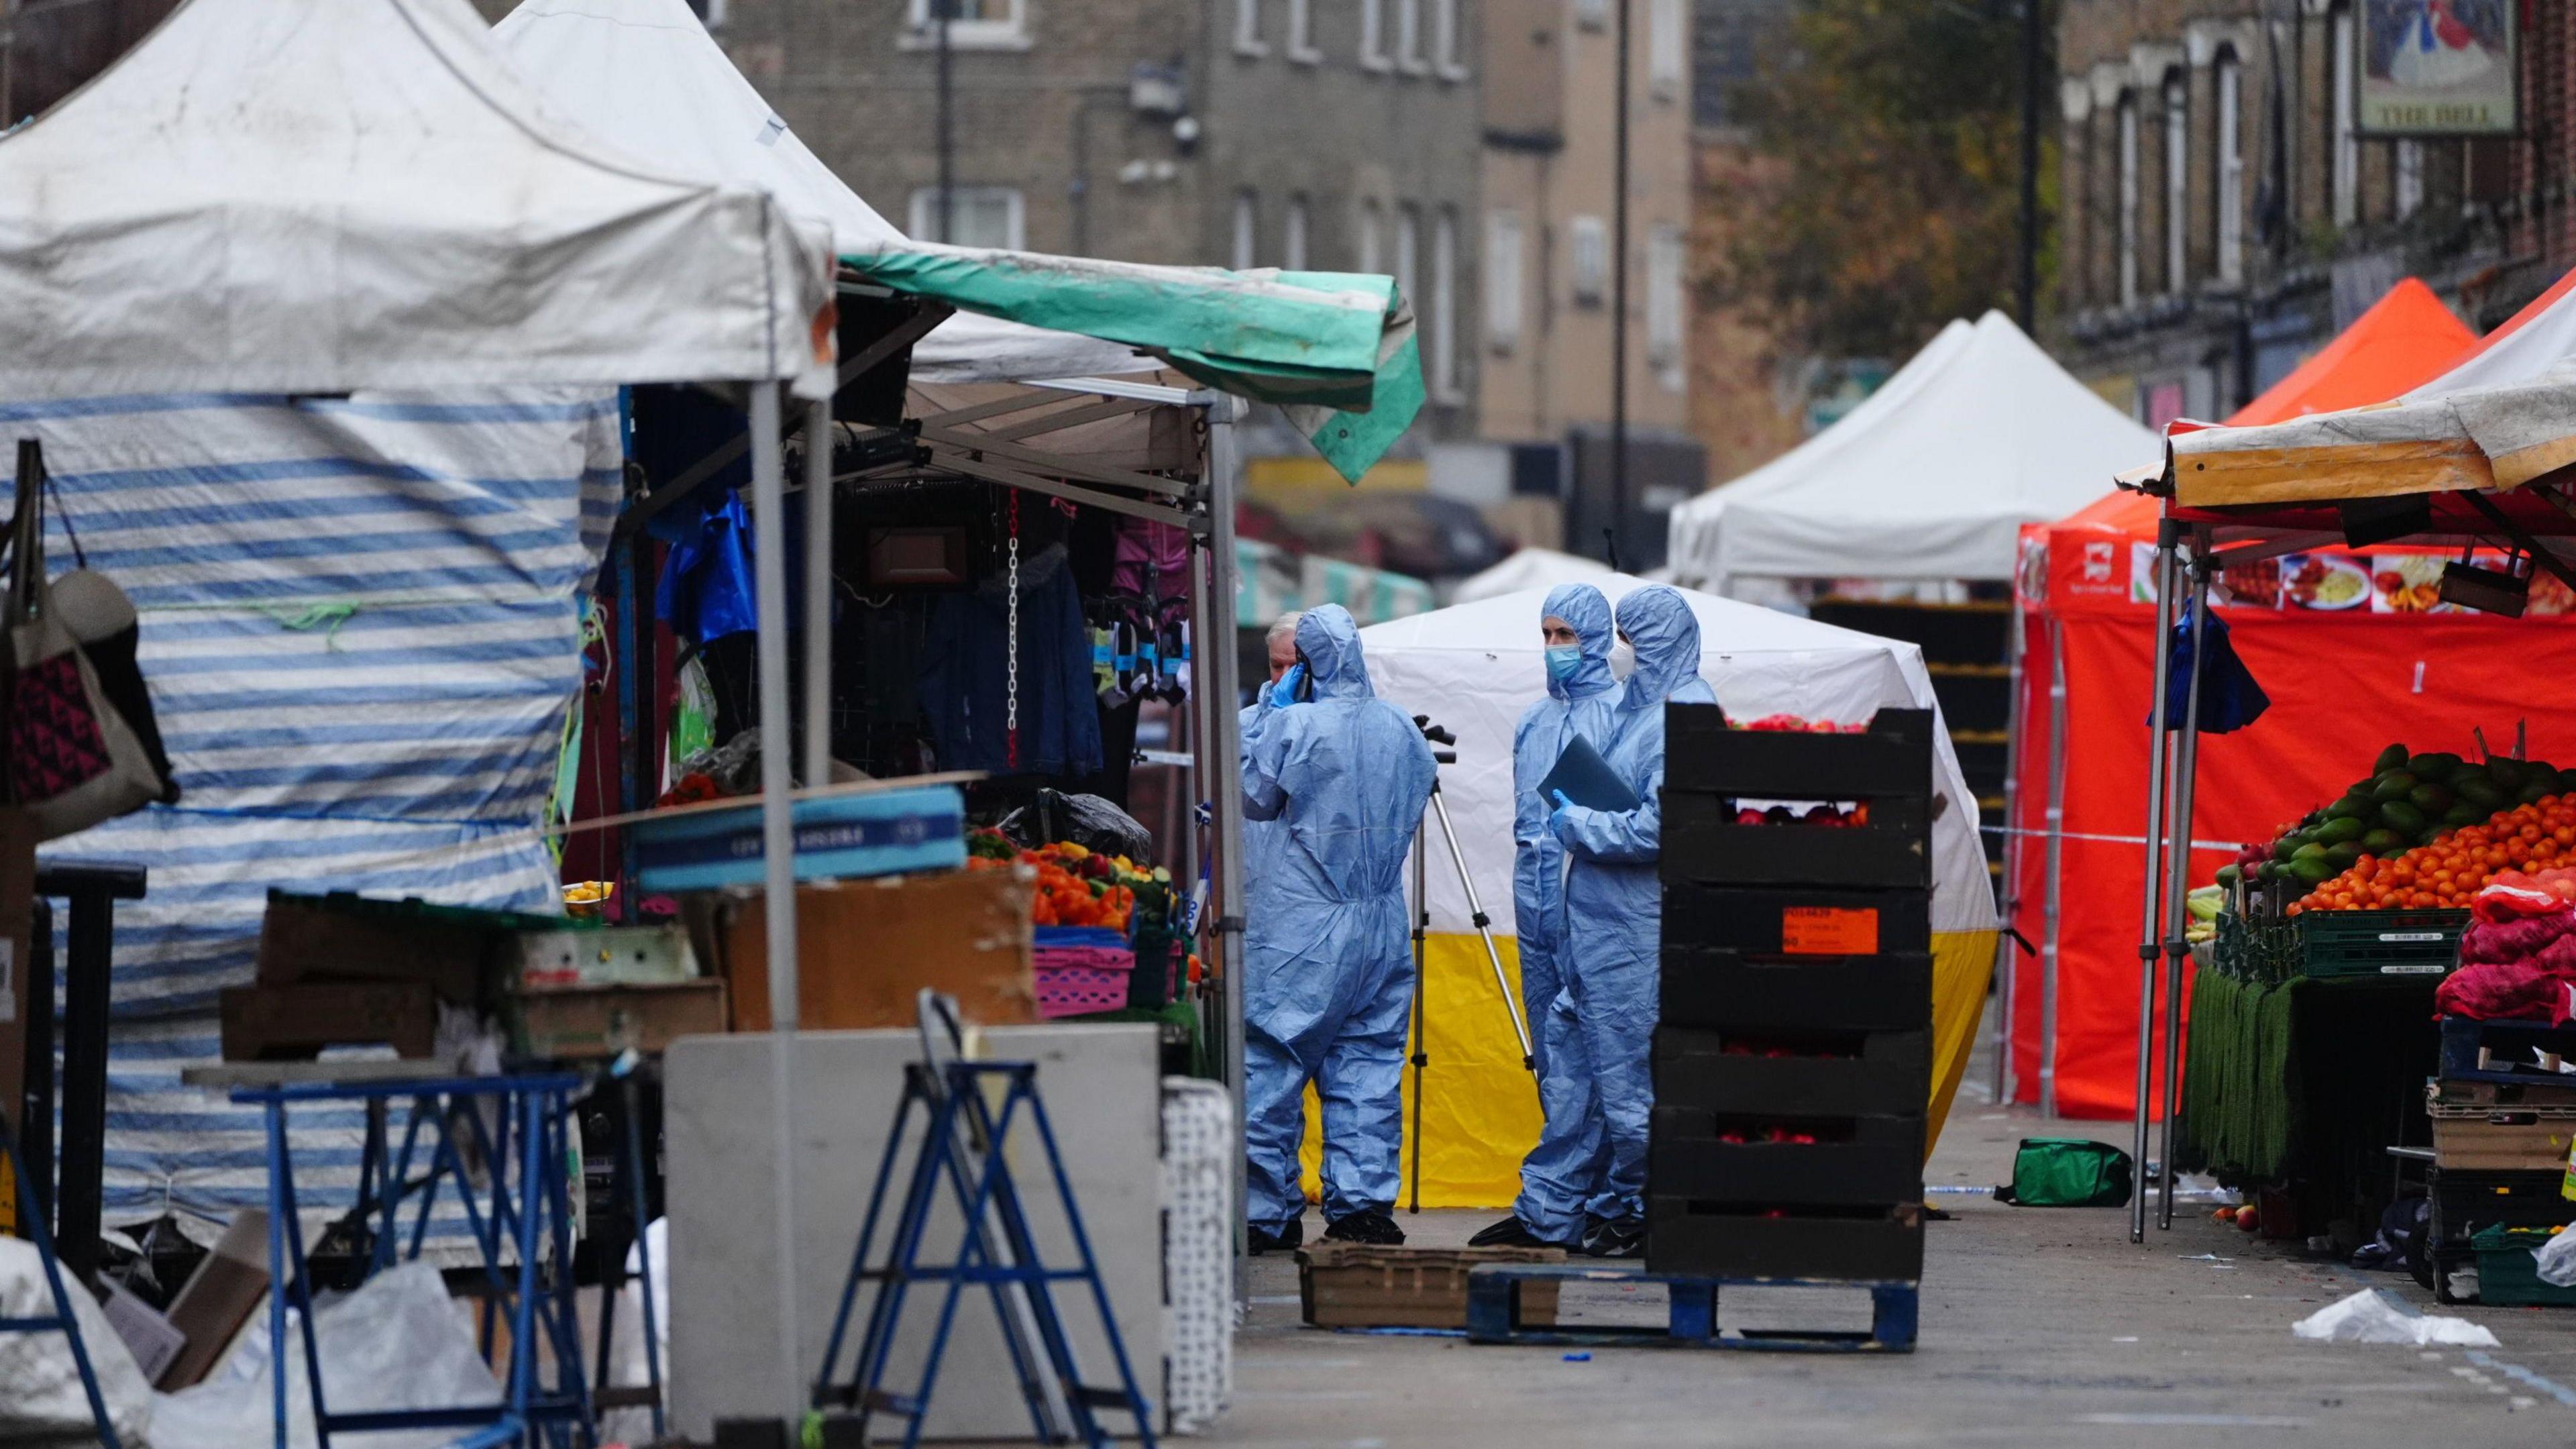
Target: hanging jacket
[[965, 685]]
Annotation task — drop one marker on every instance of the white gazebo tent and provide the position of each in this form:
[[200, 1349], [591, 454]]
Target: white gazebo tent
[[1475, 668], [1931, 477], [351, 196], [1530, 568]]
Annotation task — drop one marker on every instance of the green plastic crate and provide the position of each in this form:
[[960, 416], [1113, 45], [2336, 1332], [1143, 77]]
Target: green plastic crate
[[2508, 1276], [2260, 949], [2379, 945]]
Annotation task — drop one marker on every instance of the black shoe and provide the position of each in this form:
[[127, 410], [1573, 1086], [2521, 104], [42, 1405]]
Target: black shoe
[[1511, 1232], [1261, 1240], [1374, 1228], [1623, 1239]]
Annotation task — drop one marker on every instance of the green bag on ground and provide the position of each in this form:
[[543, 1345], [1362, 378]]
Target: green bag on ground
[[2067, 1172]]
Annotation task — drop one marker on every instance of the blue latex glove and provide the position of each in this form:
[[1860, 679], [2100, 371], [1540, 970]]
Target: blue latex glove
[[1556, 817], [1285, 691]]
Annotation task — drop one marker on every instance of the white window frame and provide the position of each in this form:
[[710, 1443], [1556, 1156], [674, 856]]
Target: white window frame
[[2343, 89], [1447, 381], [2126, 238], [1592, 14], [1667, 48], [1292, 235], [923, 213], [1407, 268], [1408, 38], [1587, 253], [1448, 41], [1667, 308], [2409, 169], [2229, 232], [1247, 28], [1007, 34], [1373, 55], [1372, 238], [2177, 100], [1506, 275], [1247, 230], [1301, 33], [716, 13]]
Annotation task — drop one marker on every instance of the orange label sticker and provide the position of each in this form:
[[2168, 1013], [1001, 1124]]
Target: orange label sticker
[[1828, 931]]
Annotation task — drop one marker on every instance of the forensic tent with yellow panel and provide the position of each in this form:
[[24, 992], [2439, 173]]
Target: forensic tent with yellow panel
[[1473, 669]]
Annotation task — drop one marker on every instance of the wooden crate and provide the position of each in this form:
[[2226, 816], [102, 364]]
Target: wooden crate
[[1360, 1285]]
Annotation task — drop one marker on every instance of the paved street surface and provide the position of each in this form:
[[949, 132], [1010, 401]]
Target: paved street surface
[[2040, 1327]]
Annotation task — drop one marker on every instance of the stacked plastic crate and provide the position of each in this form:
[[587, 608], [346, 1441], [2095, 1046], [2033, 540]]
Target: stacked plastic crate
[[1793, 1062]]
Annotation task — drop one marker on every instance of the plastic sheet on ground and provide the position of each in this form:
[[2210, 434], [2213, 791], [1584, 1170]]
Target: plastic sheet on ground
[[2375, 1315], [40, 1386], [400, 1342]]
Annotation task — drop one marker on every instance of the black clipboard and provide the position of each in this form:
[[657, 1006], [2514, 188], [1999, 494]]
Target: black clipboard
[[1587, 780]]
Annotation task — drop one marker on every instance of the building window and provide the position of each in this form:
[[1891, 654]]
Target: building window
[[1301, 32], [1408, 252], [1372, 248], [1587, 245], [1444, 305], [1292, 236], [2345, 148], [980, 216], [1667, 47], [2128, 232], [2410, 178], [1408, 34], [1373, 36], [2177, 179], [2228, 239], [1665, 308], [1503, 280], [712, 12], [1447, 57], [1247, 215], [1247, 28], [972, 24], [1592, 14]]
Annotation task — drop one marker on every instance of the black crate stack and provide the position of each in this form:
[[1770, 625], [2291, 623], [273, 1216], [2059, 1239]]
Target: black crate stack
[[1793, 1065]]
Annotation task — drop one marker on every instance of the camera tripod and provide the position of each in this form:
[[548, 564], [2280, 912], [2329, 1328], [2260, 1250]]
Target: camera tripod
[[1444, 752]]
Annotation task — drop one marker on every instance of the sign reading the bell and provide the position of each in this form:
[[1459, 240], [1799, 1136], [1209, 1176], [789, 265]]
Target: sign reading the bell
[[2434, 67]]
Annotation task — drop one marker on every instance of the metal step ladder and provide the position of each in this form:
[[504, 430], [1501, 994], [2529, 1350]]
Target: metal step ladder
[[964, 1147], [61, 1320]]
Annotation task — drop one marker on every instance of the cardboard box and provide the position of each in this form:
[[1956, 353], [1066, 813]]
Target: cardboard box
[[150, 1337], [870, 945], [605, 956], [293, 1023], [218, 1299], [2505, 1140], [599, 1022], [352, 938], [1359, 1285]]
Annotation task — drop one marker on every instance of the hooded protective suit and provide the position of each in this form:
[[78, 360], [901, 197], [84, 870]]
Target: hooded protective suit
[[1578, 706], [1599, 1091], [1328, 978]]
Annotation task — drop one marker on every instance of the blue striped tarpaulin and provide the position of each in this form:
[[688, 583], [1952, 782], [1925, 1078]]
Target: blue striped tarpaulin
[[361, 621]]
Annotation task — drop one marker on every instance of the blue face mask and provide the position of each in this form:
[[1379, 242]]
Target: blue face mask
[[1563, 660]]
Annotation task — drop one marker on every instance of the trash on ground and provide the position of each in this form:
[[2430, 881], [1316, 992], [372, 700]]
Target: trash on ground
[[2374, 1315]]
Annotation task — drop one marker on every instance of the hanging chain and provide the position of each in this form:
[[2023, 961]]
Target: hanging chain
[[1011, 700]]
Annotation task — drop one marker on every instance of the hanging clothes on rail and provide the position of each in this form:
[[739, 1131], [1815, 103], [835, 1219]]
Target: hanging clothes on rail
[[967, 684]]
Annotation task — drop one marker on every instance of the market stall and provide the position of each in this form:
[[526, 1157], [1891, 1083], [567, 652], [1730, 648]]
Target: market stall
[[1474, 668], [2462, 469], [2322, 631]]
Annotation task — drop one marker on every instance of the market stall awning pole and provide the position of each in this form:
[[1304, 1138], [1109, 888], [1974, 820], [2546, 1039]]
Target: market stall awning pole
[[818, 593], [2186, 758], [778, 857], [2056, 879], [2149, 933], [2004, 960], [1225, 766]]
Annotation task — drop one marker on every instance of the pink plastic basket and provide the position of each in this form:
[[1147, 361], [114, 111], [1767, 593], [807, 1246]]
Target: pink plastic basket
[[1069, 990]]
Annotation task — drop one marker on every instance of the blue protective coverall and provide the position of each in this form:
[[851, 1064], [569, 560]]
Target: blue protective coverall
[[1576, 707], [1599, 1092], [1328, 978]]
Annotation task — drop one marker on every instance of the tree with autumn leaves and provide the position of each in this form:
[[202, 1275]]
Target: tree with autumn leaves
[[1885, 196]]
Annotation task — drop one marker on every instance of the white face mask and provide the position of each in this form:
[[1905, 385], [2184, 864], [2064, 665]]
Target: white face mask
[[1623, 659]]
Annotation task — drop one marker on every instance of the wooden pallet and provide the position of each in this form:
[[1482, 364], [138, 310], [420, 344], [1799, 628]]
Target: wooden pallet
[[1493, 1312]]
